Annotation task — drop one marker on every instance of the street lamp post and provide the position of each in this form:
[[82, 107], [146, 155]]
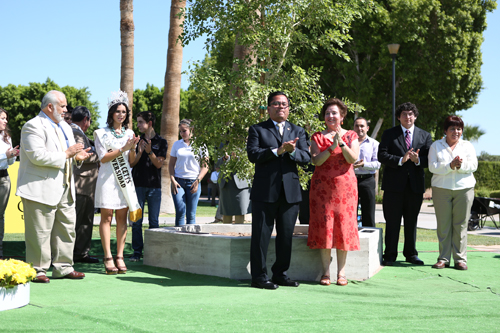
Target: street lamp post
[[393, 50]]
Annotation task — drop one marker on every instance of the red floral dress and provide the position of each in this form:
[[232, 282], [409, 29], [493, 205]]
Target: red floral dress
[[333, 200]]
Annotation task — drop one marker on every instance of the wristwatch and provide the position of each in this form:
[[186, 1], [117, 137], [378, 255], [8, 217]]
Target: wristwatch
[[342, 145], [150, 152]]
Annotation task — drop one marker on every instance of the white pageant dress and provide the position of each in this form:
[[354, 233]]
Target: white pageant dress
[[107, 193]]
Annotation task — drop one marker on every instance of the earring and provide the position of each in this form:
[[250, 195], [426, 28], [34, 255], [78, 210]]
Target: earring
[[341, 123]]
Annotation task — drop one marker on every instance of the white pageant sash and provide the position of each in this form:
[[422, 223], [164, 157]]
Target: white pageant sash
[[121, 170]]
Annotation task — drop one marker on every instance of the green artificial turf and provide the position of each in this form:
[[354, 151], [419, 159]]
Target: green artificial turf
[[403, 298]]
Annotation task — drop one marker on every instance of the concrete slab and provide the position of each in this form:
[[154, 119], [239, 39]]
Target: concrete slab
[[195, 249]]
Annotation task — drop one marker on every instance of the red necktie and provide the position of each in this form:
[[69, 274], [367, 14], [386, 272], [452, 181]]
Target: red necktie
[[408, 140]]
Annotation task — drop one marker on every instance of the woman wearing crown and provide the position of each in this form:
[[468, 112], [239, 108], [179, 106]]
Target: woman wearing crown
[[115, 146]]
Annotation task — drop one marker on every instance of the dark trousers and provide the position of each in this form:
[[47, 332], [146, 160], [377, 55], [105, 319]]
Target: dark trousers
[[397, 205], [366, 197], [263, 216], [304, 206], [84, 224]]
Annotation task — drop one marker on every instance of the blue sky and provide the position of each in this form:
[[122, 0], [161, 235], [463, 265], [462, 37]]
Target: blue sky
[[77, 43]]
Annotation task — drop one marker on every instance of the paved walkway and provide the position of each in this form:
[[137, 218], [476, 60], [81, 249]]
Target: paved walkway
[[426, 220]]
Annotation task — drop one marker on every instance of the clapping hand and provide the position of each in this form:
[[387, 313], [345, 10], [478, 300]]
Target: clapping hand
[[82, 155], [359, 164], [12, 152], [456, 163]]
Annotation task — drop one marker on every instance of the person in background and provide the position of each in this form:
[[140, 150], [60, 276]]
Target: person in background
[[276, 147], [404, 151], [452, 162], [67, 115], [334, 195], [47, 189], [186, 172], [7, 157], [114, 143], [214, 185], [234, 197], [85, 181], [149, 158], [365, 168]]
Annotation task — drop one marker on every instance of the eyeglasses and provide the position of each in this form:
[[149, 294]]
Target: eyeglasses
[[277, 104]]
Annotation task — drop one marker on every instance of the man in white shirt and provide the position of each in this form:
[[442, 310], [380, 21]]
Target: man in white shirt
[[365, 169]]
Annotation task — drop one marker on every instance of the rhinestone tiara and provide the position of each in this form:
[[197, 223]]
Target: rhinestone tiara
[[117, 97]]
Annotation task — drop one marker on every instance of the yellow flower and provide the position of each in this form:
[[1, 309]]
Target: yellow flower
[[14, 272]]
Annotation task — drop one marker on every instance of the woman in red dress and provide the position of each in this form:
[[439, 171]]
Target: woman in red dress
[[334, 194]]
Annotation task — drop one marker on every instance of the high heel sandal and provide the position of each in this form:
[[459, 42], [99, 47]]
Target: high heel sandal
[[325, 280], [341, 280], [110, 270], [121, 269]]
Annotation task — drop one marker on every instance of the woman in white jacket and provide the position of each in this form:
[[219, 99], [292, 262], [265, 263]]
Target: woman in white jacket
[[7, 157], [452, 162]]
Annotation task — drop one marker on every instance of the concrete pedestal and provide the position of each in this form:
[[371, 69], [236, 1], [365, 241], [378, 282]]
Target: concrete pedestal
[[192, 248]]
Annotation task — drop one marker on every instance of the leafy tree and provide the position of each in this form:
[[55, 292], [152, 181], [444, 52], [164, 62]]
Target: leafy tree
[[151, 99], [266, 35], [472, 133], [23, 103], [487, 157], [438, 64]]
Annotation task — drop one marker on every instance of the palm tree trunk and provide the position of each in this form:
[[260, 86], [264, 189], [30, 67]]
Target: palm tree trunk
[[171, 98], [127, 47]]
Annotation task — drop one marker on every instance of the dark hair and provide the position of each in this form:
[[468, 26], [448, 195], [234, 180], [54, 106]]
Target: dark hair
[[186, 122], [80, 113], [112, 110], [406, 107], [362, 118], [69, 109], [274, 94], [6, 132], [147, 116], [453, 121], [333, 101]]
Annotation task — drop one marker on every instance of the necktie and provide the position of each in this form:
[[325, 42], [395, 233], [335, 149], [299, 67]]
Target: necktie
[[67, 169], [408, 140], [280, 128]]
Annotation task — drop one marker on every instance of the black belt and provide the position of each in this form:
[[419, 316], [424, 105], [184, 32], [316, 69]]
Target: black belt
[[364, 176], [4, 173]]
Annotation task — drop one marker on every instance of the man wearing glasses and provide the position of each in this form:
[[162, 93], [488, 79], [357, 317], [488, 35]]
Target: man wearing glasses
[[275, 146], [85, 181], [403, 149]]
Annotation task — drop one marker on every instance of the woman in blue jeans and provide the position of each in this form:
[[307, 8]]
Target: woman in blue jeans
[[186, 172]]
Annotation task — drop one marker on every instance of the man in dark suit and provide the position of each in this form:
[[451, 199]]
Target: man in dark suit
[[85, 181], [276, 147], [403, 150]]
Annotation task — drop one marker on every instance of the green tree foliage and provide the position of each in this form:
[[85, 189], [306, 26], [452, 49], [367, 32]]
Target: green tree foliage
[[151, 99], [438, 64], [484, 156], [228, 101], [23, 103], [472, 133]]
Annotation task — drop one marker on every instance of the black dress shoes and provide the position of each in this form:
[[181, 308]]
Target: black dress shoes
[[387, 263], [41, 279], [414, 260], [285, 282], [88, 260], [264, 285]]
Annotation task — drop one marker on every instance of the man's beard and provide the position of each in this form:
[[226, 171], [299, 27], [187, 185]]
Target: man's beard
[[59, 117]]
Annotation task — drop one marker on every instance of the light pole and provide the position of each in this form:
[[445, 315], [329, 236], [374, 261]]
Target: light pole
[[393, 50]]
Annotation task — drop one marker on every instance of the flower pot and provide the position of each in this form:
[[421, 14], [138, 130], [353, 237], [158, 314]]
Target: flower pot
[[16, 297]]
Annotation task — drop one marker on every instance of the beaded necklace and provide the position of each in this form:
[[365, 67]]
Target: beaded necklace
[[118, 136]]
